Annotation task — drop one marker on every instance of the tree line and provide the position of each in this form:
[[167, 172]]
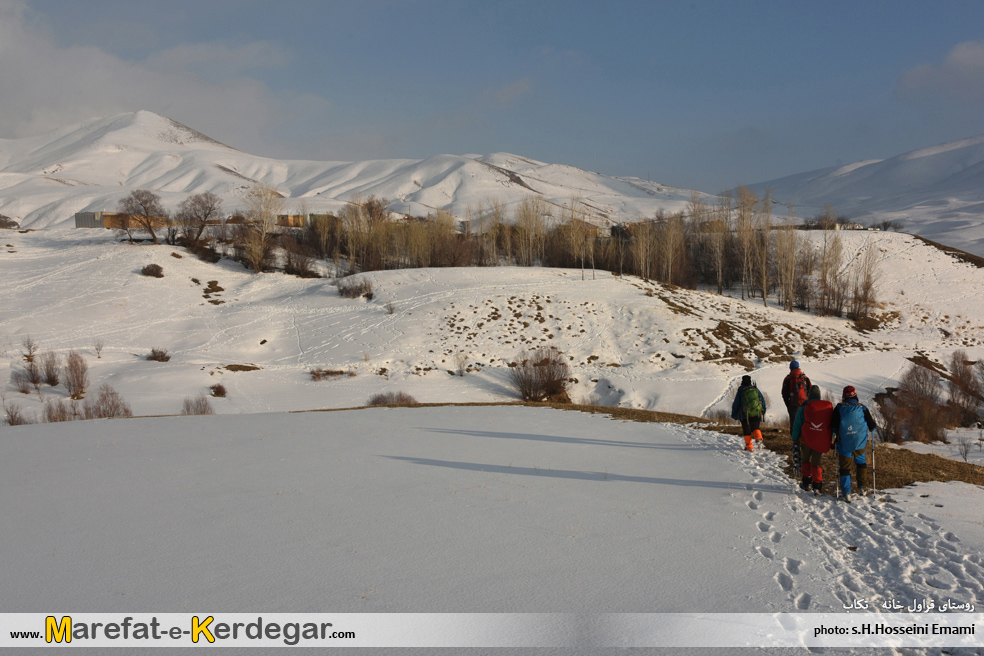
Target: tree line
[[736, 243]]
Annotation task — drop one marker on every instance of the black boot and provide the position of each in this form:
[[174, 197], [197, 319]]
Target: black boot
[[817, 489], [805, 484]]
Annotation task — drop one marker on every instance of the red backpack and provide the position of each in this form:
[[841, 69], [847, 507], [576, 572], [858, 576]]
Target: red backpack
[[815, 432], [799, 392]]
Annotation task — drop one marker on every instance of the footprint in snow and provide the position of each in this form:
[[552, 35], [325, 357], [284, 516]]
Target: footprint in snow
[[762, 526], [793, 565], [769, 516], [757, 496], [784, 580], [803, 601], [765, 551], [775, 537], [752, 505]]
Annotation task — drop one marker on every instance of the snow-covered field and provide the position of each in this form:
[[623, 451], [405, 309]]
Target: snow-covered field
[[481, 509], [452, 509]]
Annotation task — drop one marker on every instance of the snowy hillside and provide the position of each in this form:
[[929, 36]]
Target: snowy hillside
[[937, 192], [629, 343], [45, 179]]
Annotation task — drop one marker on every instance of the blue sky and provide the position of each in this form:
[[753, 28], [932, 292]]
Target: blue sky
[[695, 94]]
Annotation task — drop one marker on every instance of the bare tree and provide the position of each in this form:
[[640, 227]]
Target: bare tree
[[763, 244], [745, 228], [76, 375], [144, 208], [97, 346], [787, 244], [257, 234], [965, 388], [531, 217], [30, 348], [864, 280], [195, 213]]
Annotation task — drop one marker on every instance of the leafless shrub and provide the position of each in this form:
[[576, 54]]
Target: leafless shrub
[[97, 346], [21, 381], [963, 447], [218, 390], [391, 398], [158, 355], [50, 367], [153, 270], [106, 405], [327, 374], [30, 348], [354, 287], [298, 258], [965, 389], [721, 416], [198, 405], [539, 374], [915, 411], [76, 375], [57, 411], [33, 371], [390, 308], [14, 415]]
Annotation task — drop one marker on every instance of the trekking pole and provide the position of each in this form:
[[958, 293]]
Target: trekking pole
[[874, 486]]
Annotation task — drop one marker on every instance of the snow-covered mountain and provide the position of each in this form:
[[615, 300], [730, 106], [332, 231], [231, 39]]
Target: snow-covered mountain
[[45, 179], [937, 192]]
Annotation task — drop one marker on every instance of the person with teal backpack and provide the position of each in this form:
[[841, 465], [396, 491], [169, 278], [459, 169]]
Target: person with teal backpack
[[749, 408], [850, 424]]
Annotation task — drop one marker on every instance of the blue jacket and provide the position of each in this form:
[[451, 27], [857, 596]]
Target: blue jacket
[[849, 441], [737, 412]]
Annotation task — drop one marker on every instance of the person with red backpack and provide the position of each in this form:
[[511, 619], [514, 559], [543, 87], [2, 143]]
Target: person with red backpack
[[795, 389], [850, 424], [812, 436], [749, 408]]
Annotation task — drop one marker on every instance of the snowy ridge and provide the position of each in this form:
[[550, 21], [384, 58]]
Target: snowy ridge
[[45, 179], [937, 192]]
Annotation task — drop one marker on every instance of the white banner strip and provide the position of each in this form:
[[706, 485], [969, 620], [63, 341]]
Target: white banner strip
[[435, 630]]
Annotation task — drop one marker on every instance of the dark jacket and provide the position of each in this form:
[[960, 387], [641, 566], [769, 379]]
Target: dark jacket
[[737, 412], [788, 388]]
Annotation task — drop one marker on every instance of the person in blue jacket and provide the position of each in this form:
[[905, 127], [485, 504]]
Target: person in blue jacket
[[850, 425]]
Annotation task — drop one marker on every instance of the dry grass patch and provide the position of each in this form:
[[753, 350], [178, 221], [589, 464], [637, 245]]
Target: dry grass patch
[[240, 367], [318, 375]]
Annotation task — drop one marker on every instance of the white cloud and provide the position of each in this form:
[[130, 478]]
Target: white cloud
[[960, 78], [46, 85], [510, 93]]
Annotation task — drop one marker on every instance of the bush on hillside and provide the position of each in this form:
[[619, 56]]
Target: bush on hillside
[[153, 270], [158, 355], [391, 398], [540, 375], [198, 405], [354, 287], [108, 404]]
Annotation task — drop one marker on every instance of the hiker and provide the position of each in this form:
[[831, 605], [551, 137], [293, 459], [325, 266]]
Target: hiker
[[812, 437], [850, 424], [795, 388], [749, 408]]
